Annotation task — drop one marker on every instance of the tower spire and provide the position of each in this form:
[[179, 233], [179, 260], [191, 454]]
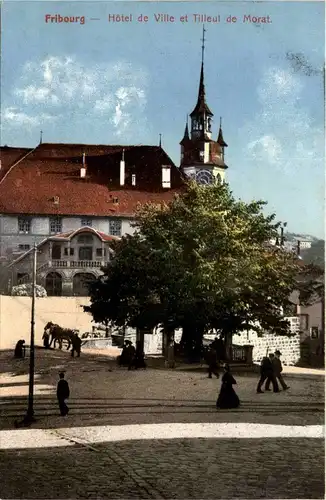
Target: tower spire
[[203, 46], [186, 133], [220, 138], [201, 107]]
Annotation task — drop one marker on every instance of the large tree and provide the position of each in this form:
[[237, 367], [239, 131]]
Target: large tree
[[200, 263]]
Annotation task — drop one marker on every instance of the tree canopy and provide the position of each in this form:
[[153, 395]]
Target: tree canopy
[[202, 262]]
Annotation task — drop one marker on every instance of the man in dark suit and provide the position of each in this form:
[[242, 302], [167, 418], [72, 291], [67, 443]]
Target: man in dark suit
[[277, 369], [267, 372], [211, 358], [63, 394]]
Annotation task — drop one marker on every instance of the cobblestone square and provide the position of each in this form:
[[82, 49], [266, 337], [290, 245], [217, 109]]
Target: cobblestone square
[[65, 460]]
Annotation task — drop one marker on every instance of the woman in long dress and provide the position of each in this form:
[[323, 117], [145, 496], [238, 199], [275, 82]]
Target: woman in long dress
[[227, 397]]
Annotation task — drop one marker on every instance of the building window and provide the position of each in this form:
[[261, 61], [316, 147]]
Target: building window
[[314, 332], [56, 251], [99, 252], [53, 284], [86, 222], [22, 278], [85, 253], [66, 251], [24, 224], [24, 248], [115, 227], [55, 225], [85, 239]]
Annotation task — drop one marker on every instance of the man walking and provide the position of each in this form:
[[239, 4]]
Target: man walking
[[76, 345], [277, 369], [63, 394], [267, 372], [212, 362]]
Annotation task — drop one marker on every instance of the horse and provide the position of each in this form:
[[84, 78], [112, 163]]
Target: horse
[[59, 334]]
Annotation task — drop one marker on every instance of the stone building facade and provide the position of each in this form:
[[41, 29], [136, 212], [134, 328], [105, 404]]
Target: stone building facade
[[65, 262]]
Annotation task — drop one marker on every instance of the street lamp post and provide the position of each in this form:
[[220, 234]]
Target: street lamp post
[[30, 410], [282, 233]]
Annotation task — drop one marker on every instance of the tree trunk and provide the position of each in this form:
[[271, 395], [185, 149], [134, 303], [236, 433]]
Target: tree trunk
[[140, 336], [228, 345], [168, 347], [192, 340]]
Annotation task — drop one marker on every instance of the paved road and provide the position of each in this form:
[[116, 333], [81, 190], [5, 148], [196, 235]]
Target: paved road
[[103, 394], [187, 468], [157, 468]]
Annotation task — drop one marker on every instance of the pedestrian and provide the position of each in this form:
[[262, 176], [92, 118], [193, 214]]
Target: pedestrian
[[219, 347], [277, 368], [131, 352], [76, 345], [19, 349], [267, 373], [212, 362], [46, 338], [227, 397], [139, 360], [63, 393], [123, 358], [171, 357]]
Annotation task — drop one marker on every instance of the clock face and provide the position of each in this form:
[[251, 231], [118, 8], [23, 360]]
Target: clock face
[[204, 177]]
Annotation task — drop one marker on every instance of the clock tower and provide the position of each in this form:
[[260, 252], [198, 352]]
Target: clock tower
[[202, 158]]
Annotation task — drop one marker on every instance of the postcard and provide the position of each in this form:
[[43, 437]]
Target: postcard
[[107, 106]]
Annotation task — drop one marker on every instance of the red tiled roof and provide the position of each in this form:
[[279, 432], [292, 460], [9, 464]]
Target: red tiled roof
[[9, 156], [53, 170]]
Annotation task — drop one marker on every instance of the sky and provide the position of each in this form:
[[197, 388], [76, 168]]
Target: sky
[[126, 82]]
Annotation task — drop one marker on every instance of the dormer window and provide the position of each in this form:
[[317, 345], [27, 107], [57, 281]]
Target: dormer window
[[86, 221]]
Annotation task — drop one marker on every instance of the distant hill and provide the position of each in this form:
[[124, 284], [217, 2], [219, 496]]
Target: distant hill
[[315, 254], [302, 237]]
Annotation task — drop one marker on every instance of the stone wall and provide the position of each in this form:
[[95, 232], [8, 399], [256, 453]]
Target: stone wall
[[289, 346]]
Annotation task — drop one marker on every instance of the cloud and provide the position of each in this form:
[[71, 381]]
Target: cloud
[[267, 146], [283, 134], [18, 118], [64, 85]]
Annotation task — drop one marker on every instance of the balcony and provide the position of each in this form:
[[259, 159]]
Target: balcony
[[80, 264]]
